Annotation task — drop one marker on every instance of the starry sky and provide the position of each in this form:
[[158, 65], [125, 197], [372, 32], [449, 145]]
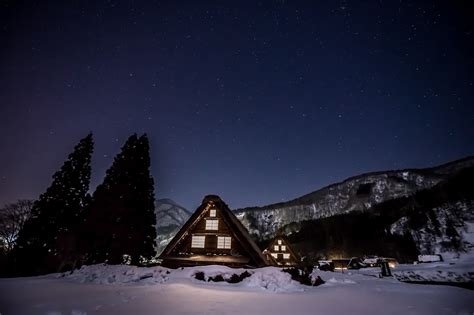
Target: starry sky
[[259, 102]]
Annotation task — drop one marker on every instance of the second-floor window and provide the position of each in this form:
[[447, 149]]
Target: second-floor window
[[212, 225]]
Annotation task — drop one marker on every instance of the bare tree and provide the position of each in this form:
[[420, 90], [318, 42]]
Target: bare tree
[[12, 218]]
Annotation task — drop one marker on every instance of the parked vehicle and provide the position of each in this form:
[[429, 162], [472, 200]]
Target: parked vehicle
[[429, 258], [348, 263]]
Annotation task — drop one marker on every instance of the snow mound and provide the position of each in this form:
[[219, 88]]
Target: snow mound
[[334, 278], [119, 274], [210, 271], [340, 281], [272, 279]]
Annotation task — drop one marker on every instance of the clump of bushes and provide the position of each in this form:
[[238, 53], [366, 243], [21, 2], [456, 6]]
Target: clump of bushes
[[199, 276], [303, 276], [234, 278], [218, 278], [238, 278]]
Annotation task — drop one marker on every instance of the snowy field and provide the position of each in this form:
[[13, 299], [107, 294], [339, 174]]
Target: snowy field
[[131, 290]]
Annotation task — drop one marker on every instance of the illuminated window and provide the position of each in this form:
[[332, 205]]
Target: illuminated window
[[212, 224], [286, 256], [276, 247], [212, 212], [198, 241], [283, 248], [275, 255], [279, 242], [224, 242]]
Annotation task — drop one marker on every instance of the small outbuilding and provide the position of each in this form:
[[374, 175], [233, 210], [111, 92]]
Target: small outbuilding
[[212, 236], [280, 253]]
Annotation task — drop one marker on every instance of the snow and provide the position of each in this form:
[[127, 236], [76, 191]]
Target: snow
[[103, 289], [453, 270], [269, 278], [429, 258]]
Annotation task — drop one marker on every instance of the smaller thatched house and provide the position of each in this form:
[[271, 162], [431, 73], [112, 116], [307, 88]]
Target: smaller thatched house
[[280, 253], [212, 236]]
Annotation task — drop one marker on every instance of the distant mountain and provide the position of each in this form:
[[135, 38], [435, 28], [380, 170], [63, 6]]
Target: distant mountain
[[359, 193], [436, 220], [170, 216]]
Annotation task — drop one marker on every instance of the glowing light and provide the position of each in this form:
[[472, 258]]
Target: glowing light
[[212, 225], [224, 242], [198, 241]]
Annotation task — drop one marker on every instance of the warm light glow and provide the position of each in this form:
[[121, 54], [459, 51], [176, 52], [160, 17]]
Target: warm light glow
[[212, 212], [212, 224], [198, 241], [276, 247], [224, 242], [283, 248], [286, 256], [279, 242], [275, 255]]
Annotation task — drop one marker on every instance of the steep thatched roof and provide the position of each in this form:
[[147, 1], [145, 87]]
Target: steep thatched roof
[[238, 231]]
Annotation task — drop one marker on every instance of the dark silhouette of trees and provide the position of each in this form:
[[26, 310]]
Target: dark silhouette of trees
[[55, 213], [12, 218], [120, 219]]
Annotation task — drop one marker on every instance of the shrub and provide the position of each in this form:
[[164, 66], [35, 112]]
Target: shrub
[[235, 278], [218, 278], [303, 276], [199, 275], [238, 278]]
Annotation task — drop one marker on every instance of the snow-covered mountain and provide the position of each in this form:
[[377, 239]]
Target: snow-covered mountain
[[449, 230], [170, 216], [357, 193]]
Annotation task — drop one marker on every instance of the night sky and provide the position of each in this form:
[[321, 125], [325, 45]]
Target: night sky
[[259, 102]]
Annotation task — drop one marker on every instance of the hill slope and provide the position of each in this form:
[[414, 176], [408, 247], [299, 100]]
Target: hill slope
[[437, 220], [357, 193]]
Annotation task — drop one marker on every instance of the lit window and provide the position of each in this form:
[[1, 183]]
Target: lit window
[[275, 255], [283, 248], [212, 224], [224, 242], [212, 213], [276, 247], [198, 241], [279, 242], [286, 256]]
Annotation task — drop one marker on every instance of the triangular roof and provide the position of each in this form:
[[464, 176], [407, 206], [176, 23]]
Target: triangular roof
[[294, 258], [237, 230]]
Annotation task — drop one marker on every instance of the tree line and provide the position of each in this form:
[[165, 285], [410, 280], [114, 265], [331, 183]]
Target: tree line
[[67, 227]]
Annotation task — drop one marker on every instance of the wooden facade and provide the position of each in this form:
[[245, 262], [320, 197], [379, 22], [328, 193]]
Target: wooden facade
[[280, 253], [212, 236]]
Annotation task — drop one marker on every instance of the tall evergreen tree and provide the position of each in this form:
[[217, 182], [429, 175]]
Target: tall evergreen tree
[[120, 220], [55, 213]]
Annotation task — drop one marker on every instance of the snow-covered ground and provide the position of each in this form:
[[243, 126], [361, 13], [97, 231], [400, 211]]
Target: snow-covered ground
[[452, 271], [131, 290]]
